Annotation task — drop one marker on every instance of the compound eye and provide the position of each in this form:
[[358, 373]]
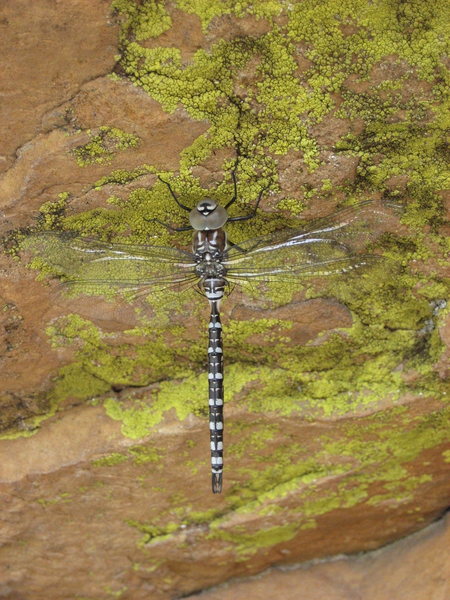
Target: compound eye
[[208, 215], [206, 207]]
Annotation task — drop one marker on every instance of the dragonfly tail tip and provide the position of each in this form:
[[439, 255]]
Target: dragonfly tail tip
[[217, 483]]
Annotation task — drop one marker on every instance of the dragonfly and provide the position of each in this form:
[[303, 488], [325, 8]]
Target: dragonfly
[[333, 245]]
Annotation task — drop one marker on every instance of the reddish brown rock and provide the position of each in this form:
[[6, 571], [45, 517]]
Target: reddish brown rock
[[96, 508], [416, 568], [49, 49], [309, 318]]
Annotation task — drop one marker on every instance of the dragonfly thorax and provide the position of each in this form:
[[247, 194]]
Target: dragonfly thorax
[[209, 249], [209, 242], [209, 267], [208, 215]]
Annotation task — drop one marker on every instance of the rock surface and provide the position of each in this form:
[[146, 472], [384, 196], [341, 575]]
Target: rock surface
[[392, 572], [338, 437]]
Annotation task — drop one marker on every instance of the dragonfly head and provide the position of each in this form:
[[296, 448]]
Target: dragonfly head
[[208, 215]]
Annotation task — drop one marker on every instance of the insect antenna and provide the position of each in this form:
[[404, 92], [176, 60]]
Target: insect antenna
[[183, 206]]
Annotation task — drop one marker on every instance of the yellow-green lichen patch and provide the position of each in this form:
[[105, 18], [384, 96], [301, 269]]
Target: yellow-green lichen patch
[[206, 88], [247, 543], [207, 10], [142, 20], [186, 396], [50, 213], [354, 462], [153, 533], [273, 112], [351, 36], [385, 453], [63, 497], [252, 438], [139, 455], [103, 145], [100, 363], [354, 368], [122, 176], [135, 219], [289, 472], [115, 593], [110, 460], [292, 205], [75, 381], [259, 341], [138, 417], [400, 490], [337, 474], [144, 454]]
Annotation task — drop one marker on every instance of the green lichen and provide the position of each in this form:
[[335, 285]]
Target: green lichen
[[252, 438], [341, 45], [50, 213], [100, 365], [63, 497], [144, 454], [402, 490], [103, 145], [143, 20], [206, 89], [122, 176], [185, 397], [152, 533], [293, 205], [140, 455], [341, 39], [371, 451], [246, 544], [110, 591], [112, 459], [207, 10]]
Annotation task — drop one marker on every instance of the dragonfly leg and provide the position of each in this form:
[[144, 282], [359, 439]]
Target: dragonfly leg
[[255, 209], [230, 243], [233, 176], [169, 227], [229, 287]]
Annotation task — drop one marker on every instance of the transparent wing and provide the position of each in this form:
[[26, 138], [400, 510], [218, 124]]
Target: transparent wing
[[325, 246], [353, 226], [91, 263]]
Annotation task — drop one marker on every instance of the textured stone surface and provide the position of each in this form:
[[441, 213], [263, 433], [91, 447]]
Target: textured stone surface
[[337, 422], [415, 568], [49, 49]]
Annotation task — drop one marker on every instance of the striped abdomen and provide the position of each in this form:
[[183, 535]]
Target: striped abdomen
[[214, 289]]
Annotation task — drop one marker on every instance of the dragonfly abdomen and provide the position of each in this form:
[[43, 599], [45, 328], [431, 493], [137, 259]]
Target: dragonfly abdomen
[[214, 289]]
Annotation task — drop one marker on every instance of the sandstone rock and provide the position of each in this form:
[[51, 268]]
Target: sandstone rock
[[337, 421], [391, 572]]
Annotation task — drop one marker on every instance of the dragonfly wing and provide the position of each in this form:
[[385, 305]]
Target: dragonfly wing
[[326, 246], [290, 263], [353, 227], [91, 263]]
